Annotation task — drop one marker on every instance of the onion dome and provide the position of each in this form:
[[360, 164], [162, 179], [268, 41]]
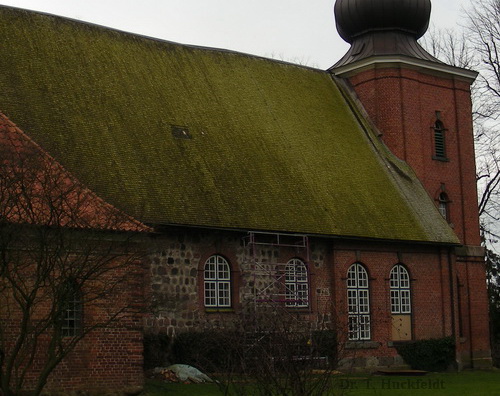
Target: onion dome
[[382, 27], [356, 17]]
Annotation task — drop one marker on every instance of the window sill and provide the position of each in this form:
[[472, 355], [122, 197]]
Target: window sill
[[299, 310], [393, 344], [219, 310], [362, 345], [442, 159]]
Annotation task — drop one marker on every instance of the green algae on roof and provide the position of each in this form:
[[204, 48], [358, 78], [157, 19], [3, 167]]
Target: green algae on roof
[[272, 146]]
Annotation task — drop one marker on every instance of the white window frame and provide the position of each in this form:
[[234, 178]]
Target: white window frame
[[358, 301], [400, 290], [217, 282], [72, 314], [296, 284]]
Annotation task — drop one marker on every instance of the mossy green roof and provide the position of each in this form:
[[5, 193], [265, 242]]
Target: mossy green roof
[[273, 146]]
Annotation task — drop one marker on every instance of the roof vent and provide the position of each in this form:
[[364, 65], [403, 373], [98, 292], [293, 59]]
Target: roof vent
[[181, 132]]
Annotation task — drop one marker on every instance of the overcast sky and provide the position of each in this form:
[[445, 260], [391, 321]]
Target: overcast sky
[[294, 30]]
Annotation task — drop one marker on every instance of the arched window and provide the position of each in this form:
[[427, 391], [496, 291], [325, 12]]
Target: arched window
[[400, 303], [400, 290], [358, 299], [296, 284], [72, 310], [443, 205], [439, 141], [217, 282]]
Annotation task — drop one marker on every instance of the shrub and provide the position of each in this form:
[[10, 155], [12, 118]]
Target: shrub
[[208, 351], [155, 350], [429, 355], [325, 343]]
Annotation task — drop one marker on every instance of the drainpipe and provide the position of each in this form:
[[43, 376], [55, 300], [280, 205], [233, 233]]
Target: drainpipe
[[452, 301]]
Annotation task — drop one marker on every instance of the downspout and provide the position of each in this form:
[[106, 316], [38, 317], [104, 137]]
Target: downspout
[[452, 301], [443, 291], [469, 315], [333, 293]]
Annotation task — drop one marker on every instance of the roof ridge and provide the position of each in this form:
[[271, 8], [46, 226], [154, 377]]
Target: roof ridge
[[161, 40]]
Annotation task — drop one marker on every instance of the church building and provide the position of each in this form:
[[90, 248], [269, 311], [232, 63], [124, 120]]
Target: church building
[[347, 194]]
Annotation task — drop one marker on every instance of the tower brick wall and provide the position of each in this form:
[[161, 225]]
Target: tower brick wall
[[176, 287], [405, 102]]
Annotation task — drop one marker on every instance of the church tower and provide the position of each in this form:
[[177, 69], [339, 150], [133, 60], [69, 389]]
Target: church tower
[[422, 108]]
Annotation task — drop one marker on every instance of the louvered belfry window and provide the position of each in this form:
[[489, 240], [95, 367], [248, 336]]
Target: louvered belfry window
[[439, 140]]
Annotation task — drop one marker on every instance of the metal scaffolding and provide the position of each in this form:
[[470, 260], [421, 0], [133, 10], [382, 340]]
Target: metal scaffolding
[[274, 282]]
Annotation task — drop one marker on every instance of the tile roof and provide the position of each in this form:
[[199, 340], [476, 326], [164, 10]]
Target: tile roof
[[35, 189], [180, 135]]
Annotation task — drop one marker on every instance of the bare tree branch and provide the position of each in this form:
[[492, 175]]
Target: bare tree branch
[[56, 239]]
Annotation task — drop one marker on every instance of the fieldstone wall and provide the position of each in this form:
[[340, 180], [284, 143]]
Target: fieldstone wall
[[173, 285], [175, 281]]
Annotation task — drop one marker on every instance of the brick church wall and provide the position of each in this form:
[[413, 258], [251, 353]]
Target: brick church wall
[[176, 287], [106, 359], [428, 271], [474, 338]]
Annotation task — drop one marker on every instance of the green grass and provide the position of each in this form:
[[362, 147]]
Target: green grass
[[470, 383], [158, 388]]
